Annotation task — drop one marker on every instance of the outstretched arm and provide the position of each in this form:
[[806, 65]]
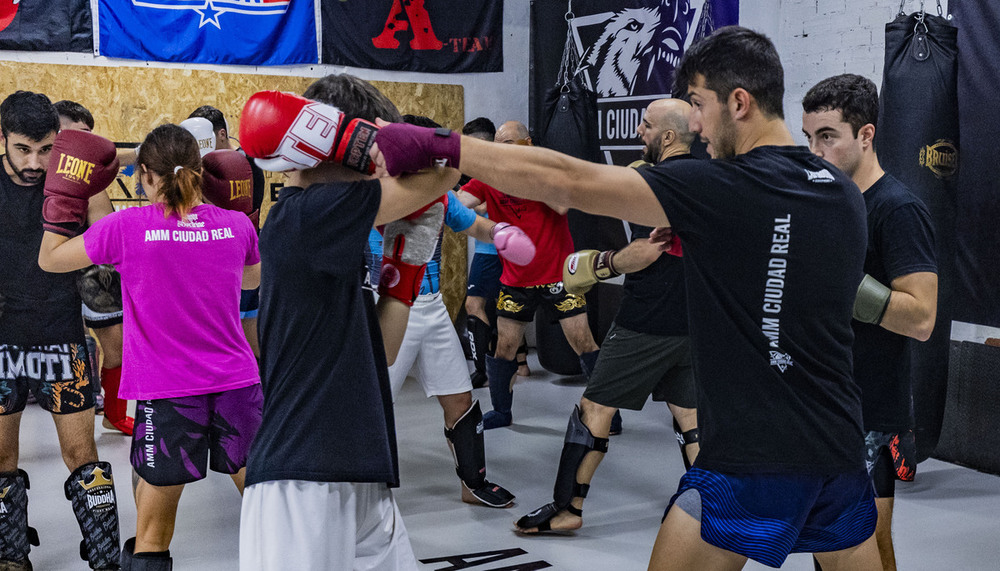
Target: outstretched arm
[[59, 254]]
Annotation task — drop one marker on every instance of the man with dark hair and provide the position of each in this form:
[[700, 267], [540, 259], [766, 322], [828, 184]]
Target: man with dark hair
[[897, 300], [42, 348], [481, 128], [320, 470], [100, 289], [774, 244], [645, 352]]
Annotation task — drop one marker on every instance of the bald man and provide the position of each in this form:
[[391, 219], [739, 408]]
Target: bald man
[[524, 288], [646, 351]]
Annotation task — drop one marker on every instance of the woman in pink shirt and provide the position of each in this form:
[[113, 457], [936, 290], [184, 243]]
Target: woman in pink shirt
[[188, 364]]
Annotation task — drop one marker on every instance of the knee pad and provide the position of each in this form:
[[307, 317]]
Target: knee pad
[[466, 439], [91, 490], [884, 475], [16, 538], [145, 561], [683, 439], [579, 441]]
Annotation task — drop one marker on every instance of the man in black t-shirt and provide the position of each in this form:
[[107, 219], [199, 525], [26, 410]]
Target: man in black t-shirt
[[774, 245], [646, 350], [42, 347], [898, 297], [325, 456]]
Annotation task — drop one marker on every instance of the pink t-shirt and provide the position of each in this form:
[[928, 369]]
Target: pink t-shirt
[[181, 295]]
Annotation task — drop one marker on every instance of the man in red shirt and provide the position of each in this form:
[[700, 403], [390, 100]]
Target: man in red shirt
[[523, 288]]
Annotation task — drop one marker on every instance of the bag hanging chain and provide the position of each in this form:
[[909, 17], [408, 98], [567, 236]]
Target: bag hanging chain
[[940, 10], [570, 60]]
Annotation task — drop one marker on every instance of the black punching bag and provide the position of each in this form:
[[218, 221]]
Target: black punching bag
[[569, 125], [917, 142]]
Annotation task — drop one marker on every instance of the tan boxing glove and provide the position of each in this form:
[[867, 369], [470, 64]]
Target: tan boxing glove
[[583, 269]]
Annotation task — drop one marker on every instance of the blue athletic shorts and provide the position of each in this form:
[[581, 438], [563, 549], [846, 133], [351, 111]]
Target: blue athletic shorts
[[484, 276], [767, 516]]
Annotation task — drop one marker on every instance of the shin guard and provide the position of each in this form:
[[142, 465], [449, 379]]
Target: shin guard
[[684, 439], [578, 443], [500, 371], [145, 561], [588, 361], [479, 335], [91, 490], [468, 447], [115, 409], [16, 538]]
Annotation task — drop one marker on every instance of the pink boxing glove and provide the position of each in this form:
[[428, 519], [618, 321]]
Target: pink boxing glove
[[513, 244], [409, 148]]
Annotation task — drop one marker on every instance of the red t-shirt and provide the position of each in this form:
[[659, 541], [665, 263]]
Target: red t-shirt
[[548, 229]]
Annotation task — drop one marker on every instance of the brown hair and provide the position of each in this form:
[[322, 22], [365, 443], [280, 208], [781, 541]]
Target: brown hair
[[166, 148]]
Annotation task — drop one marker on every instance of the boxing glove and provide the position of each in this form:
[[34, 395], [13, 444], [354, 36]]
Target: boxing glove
[[583, 269], [513, 244], [201, 128], [668, 242], [285, 132], [81, 165], [872, 300], [227, 181], [408, 148], [408, 244]]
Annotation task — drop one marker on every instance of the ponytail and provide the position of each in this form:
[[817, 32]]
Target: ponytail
[[172, 153]]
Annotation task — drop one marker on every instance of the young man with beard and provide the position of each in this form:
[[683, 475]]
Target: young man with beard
[[774, 244]]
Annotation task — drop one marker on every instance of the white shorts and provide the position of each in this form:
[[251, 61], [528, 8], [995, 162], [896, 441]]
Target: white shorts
[[295, 524], [432, 350]]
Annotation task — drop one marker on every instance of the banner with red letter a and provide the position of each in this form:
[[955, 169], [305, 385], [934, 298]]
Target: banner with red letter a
[[441, 36]]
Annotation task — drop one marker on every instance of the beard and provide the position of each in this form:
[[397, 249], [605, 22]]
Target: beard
[[651, 153], [29, 177], [724, 141]]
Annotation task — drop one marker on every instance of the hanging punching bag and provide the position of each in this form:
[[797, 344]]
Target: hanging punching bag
[[569, 125], [917, 142]]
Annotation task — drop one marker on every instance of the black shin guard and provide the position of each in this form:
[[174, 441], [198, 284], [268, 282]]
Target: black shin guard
[[577, 444], [683, 440], [469, 450], [16, 538], [479, 339], [91, 490], [145, 561], [588, 361]]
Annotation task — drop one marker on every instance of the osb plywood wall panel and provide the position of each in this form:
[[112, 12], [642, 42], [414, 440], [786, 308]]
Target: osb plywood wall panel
[[128, 102]]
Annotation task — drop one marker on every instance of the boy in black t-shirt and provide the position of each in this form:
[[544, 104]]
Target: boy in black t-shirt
[[774, 244], [898, 296], [325, 459]]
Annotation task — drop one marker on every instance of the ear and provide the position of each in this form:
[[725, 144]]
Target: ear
[[867, 136], [669, 136], [739, 103]]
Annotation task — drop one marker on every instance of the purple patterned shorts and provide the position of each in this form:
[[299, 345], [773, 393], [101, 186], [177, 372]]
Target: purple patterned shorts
[[174, 436]]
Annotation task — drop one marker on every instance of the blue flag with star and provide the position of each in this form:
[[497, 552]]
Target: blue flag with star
[[241, 32]]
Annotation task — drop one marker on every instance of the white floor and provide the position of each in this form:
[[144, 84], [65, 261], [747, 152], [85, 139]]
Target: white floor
[[949, 519]]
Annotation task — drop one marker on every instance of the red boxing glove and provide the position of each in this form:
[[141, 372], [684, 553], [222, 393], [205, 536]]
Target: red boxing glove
[[408, 245], [408, 148], [668, 242], [513, 244], [81, 165], [227, 180], [285, 132]]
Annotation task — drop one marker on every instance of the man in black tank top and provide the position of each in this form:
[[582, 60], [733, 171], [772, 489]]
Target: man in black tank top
[[42, 348], [897, 302]]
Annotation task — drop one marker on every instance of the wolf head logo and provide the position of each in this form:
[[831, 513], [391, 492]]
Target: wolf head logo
[[615, 57]]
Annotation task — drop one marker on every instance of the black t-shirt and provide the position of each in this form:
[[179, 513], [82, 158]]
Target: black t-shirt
[[327, 403], [653, 299], [900, 242], [774, 243], [41, 308]]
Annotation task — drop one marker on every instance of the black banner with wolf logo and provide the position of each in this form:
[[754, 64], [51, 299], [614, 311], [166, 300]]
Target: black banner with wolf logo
[[628, 51]]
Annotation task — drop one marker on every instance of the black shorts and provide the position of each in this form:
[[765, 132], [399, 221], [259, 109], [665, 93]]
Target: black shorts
[[58, 375], [632, 366], [484, 276], [520, 303]]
